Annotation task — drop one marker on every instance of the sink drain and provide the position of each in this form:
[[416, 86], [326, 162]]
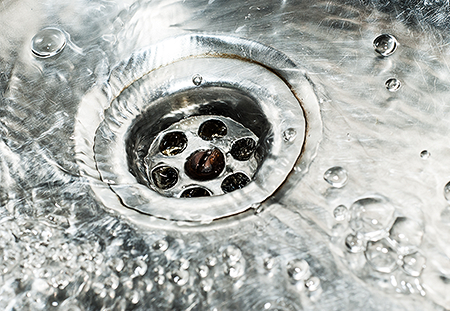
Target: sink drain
[[198, 137]]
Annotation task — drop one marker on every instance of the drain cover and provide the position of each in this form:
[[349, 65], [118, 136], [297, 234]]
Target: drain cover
[[199, 137]]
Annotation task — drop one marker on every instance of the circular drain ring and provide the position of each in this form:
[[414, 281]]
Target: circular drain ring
[[166, 53], [220, 76]]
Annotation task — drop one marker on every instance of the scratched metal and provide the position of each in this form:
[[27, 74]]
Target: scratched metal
[[68, 243]]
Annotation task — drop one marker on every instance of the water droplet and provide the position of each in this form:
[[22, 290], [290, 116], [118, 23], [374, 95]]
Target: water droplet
[[447, 191], [336, 176], [385, 44], [243, 149], [371, 217], [232, 254], [173, 143], [160, 279], [407, 235], [203, 271], [117, 264], [313, 283], [234, 182], [289, 135], [269, 263], [205, 165], [393, 84], [340, 213], [354, 244], [195, 192], [158, 270], [211, 261], [197, 79], [206, 285], [133, 296], [298, 270], [381, 256], [161, 245], [180, 277], [425, 154], [184, 264], [414, 264], [48, 42], [235, 271], [211, 129], [164, 177], [141, 268]]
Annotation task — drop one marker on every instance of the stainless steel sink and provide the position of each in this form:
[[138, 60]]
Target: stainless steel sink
[[224, 155]]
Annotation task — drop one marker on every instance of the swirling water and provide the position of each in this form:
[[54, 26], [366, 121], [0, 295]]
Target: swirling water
[[64, 248]]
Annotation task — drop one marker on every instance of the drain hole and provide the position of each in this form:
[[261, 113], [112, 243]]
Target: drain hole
[[181, 139], [205, 164], [235, 182], [243, 149], [195, 192], [212, 129], [173, 143], [164, 177]]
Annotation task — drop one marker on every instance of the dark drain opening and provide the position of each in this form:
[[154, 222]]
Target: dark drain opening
[[158, 118], [199, 134]]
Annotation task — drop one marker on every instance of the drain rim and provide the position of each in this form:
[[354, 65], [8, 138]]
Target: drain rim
[[194, 46], [275, 99]]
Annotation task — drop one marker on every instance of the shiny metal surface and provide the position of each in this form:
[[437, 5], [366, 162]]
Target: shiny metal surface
[[362, 221]]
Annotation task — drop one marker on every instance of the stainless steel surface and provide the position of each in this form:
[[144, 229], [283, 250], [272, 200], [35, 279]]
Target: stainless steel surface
[[360, 220]]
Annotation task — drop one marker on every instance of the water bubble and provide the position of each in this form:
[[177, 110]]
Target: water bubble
[[371, 217], [407, 235], [195, 192], [393, 84], [381, 256], [180, 277], [158, 270], [243, 148], [425, 154], [313, 283], [173, 143], [340, 213], [447, 191], [141, 268], [211, 129], [206, 285], [234, 182], [354, 244], [232, 254], [203, 271], [160, 279], [235, 271], [48, 42], [197, 79], [211, 261], [269, 263], [184, 264], [289, 135], [164, 177], [336, 176], [205, 165], [133, 296], [385, 44], [414, 264], [161, 245], [298, 270]]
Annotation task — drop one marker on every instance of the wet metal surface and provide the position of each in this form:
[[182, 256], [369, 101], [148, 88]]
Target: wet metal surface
[[347, 207]]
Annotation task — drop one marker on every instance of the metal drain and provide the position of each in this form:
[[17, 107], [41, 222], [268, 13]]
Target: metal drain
[[217, 125], [204, 152]]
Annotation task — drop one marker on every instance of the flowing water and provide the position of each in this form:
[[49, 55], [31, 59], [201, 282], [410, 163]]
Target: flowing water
[[317, 136]]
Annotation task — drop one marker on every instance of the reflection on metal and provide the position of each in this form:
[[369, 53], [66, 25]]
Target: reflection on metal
[[321, 181]]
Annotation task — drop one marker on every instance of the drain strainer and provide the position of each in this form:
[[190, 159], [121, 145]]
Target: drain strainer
[[200, 136]]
